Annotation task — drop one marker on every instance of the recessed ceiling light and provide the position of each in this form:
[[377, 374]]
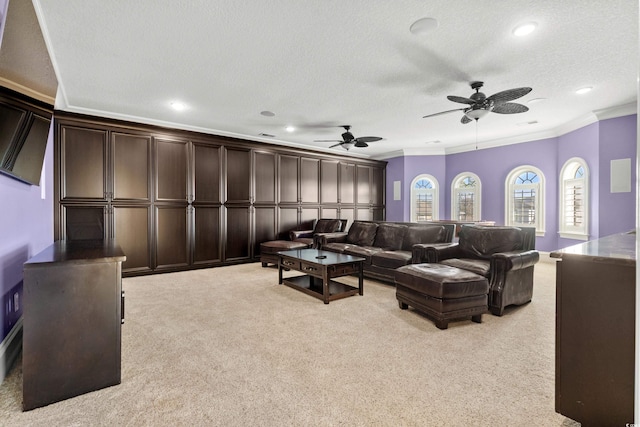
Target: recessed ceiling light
[[267, 113], [178, 106], [536, 100], [423, 26], [289, 128], [437, 141], [584, 90], [524, 29]]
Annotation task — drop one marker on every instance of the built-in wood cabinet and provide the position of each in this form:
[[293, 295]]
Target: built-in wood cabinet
[[175, 200]]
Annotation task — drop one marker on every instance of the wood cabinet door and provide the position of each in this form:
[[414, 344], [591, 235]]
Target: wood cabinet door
[[264, 175], [83, 160], [206, 173], [328, 181], [287, 221], [12, 118], [363, 185], [171, 225], [347, 182], [264, 226], [237, 244], [238, 175], [172, 169], [206, 246], [378, 186], [131, 229], [288, 178], [309, 180], [131, 159]]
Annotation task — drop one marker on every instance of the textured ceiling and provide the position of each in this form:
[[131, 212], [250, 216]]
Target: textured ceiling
[[324, 63]]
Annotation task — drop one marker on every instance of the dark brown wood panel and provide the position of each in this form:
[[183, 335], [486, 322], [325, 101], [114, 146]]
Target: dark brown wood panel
[[206, 235], [84, 157], [308, 215], [288, 173], [206, 160], [238, 175], [84, 222], [328, 212], [171, 236], [309, 180], [347, 182], [287, 221], [329, 181], [131, 231], [131, 156], [378, 186], [238, 233], [265, 177], [265, 227], [348, 214], [171, 170]]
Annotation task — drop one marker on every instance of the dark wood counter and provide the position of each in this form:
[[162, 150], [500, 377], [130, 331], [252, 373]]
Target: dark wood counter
[[73, 310], [595, 330]]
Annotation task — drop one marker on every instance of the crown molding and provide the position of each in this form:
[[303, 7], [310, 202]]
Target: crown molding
[[31, 93]]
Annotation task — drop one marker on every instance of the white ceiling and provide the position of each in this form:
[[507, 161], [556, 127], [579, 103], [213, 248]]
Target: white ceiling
[[324, 63]]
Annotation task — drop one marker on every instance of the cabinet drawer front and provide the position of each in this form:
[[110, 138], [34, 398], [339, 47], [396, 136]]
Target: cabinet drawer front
[[310, 268], [343, 270], [290, 264]]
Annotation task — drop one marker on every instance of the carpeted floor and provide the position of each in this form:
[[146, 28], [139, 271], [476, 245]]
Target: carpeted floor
[[230, 347]]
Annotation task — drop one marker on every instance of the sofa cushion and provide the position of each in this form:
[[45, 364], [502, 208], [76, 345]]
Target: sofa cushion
[[389, 236], [365, 252], [477, 266], [335, 247], [362, 233], [482, 242], [423, 234], [441, 281], [327, 226], [391, 259]]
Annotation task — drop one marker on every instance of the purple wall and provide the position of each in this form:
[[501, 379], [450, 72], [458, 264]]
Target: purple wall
[[597, 144], [26, 227]]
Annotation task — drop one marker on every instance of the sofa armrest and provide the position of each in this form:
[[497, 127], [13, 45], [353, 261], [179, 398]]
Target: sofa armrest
[[439, 252], [420, 251], [515, 260], [297, 234], [321, 239]]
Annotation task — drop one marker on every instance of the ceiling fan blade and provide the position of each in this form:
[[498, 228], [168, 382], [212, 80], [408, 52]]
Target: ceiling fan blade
[[461, 99], [335, 145], [509, 94], [366, 139], [327, 140], [509, 108], [443, 112], [465, 119], [360, 143]]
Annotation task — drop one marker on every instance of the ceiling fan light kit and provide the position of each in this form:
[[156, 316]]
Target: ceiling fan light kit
[[348, 140]]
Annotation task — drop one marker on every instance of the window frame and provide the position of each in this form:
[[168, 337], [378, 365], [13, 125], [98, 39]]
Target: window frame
[[511, 186], [477, 199], [436, 196], [567, 174]]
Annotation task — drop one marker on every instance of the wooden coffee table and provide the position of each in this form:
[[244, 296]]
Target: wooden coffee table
[[320, 267]]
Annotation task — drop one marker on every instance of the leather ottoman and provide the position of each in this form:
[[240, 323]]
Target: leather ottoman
[[269, 250], [442, 292]]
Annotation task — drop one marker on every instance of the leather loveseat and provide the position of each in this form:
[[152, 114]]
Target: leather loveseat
[[384, 245], [504, 255]]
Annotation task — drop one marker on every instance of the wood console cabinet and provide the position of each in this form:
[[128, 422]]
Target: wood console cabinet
[[595, 331], [73, 310], [177, 200]]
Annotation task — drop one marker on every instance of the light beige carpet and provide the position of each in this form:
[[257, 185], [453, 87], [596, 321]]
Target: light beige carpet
[[230, 347]]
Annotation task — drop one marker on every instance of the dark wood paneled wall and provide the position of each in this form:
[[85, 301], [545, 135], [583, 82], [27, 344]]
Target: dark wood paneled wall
[[178, 200]]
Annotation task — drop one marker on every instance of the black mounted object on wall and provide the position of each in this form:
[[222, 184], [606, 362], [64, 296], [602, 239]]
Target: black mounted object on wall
[[24, 131]]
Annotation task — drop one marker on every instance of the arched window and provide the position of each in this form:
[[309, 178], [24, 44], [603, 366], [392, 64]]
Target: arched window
[[465, 197], [524, 198], [574, 199], [424, 198]]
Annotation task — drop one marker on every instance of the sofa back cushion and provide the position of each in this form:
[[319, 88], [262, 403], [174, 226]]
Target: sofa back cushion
[[389, 236], [327, 226], [362, 233], [428, 233], [481, 242]]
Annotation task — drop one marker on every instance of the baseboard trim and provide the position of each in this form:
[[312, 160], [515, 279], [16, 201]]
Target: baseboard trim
[[10, 349]]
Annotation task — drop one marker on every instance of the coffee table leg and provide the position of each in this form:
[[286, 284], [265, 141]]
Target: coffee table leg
[[325, 286], [279, 271], [360, 280]]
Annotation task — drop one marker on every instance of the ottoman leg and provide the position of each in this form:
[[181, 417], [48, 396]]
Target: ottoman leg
[[264, 264], [402, 305], [442, 324], [477, 318]]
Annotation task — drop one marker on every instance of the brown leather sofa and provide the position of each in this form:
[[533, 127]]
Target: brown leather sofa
[[504, 255], [384, 245]]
